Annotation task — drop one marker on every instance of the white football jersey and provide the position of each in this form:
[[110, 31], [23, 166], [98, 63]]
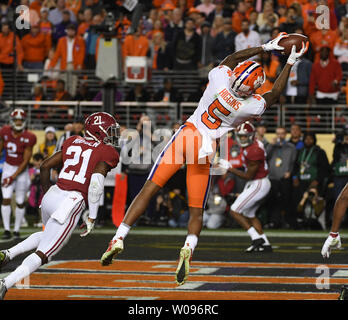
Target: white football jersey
[[219, 110]]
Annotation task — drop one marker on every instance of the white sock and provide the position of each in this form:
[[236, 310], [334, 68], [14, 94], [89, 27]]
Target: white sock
[[26, 245], [263, 236], [6, 216], [28, 266], [191, 241], [253, 233], [19, 217], [122, 231]]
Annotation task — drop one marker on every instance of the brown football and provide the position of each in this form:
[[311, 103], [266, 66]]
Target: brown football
[[293, 39]]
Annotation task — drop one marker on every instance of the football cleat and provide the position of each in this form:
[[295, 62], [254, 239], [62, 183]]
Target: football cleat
[[343, 293], [6, 235], [266, 248], [4, 258], [183, 269], [16, 235], [256, 245], [3, 289], [115, 247]]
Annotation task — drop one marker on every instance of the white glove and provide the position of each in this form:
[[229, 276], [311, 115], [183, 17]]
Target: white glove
[[273, 44], [330, 243], [224, 164], [89, 224], [295, 56]]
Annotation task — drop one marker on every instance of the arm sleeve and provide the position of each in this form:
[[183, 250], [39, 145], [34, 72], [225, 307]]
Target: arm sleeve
[[95, 191]]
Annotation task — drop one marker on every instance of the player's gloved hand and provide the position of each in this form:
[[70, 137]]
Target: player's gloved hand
[[273, 44], [89, 225], [7, 181], [224, 164], [333, 241], [295, 56]]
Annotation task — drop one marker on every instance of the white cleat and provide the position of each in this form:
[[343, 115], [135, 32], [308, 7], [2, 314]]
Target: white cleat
[[183, 269], [115, 247]]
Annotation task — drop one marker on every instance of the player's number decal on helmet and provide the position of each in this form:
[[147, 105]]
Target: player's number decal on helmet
[[216, 121], [98, 120], [76, 151], [11, 149]]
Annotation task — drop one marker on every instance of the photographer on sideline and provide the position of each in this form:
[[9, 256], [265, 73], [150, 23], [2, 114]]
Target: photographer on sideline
[[311, 210]]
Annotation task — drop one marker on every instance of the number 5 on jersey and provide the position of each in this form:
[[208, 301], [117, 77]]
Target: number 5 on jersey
[[210, 119], [77, 153]]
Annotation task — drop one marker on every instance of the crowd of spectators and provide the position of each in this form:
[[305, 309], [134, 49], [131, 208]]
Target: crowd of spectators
[[183, 35]]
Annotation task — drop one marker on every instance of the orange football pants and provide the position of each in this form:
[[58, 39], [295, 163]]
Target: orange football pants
[[183, 149]]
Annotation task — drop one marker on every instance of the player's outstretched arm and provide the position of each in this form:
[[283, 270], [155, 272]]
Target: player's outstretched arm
[[54, 161], [271, 97], [233, 59]]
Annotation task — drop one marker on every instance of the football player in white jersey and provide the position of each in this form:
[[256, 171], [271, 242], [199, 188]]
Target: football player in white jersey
[[227, 102]]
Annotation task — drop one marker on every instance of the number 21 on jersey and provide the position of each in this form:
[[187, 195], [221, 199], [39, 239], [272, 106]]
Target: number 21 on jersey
[[76, 151]]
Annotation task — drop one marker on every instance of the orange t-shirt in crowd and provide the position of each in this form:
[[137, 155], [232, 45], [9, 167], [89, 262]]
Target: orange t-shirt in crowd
[[319, 40], [46, 27], [35, 49], [73, 5], [83, 27], [36, 5], [135, 46], [237, 19], [6, 49]]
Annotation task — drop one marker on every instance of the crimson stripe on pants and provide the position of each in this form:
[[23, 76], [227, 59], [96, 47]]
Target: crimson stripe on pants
[[66, 231], [251, 195]]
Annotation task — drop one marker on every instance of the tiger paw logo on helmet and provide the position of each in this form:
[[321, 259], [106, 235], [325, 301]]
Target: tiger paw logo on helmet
[[246, 77]]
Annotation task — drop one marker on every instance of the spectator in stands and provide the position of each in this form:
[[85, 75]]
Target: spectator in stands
[[46, 26], [311, 168], [60, 94], [272, 68], [238, 16], [298, 83], [61, 28], [290, 25], [326, 88], [175, 25], [159, 53], [36, 5], [214, 213], [35, 48], [47, 147], [117, 93], [340, 162], [206, 6], [71, 53], [37, 95], [265, 30], [135, 44], [51, 74], [341, 50], [150, 20], [281, 156], [87, 20], [157, 28], [267, 12], [83, 92], [224, 42], [323, 38], [138, 93], [31, 17], [168, 93], [187, 48], [91, 37], [247, 39], [55, 16], [207, 46], [218, 11], [218, 25], [74, 5], [76, 128], [96, 6], [311, 210], [296, 136], [253, 21], [7, 49], [261, 130]]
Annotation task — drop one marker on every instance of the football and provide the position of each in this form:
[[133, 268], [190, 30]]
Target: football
[[293, 39]]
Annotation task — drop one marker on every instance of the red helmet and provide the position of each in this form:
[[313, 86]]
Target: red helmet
[[246, 77], [245, 134], [102, 126], [18, 114]]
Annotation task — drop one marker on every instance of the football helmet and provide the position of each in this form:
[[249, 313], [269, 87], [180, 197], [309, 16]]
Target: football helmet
[[245, 134], [246, 77], [18, 114], [102, 126]]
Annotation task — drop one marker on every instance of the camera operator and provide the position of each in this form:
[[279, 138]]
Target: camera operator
[[340, 162], [311, 210]]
